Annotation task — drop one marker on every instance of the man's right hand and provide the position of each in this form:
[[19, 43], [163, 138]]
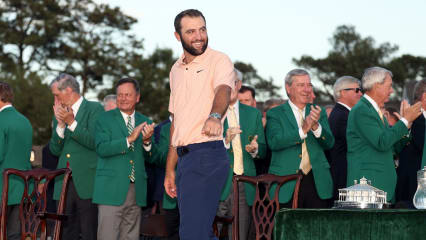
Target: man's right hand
[[136, 131], [169, 183], [56, 110], [231, 133], [410, 113]]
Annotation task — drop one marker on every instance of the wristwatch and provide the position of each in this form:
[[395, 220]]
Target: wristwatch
[[215, 115]]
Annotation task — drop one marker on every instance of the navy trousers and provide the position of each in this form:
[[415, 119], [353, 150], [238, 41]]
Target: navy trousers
[[201, 174]]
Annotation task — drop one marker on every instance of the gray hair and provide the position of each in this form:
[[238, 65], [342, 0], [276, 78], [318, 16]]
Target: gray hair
[[419, 89], [295, 72], [374, 75], [110, 97], [65, 80], [341, 84]]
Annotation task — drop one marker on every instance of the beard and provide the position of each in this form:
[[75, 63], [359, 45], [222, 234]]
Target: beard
[[193, 51]]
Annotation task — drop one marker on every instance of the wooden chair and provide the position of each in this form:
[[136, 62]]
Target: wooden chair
[[264, 208], [32, 209], [225, 222]]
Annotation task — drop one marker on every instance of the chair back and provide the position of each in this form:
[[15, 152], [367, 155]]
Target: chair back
[[32, 208], [264, 208]]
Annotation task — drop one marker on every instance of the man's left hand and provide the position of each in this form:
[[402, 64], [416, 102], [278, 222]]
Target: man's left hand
[[212, 127], [68, 116], [147, 131], [253, 146], [315, 115]]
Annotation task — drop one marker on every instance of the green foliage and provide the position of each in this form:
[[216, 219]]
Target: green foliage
[[41, 38], [265, 88], [88, 40], [34, 100], [351, 54]]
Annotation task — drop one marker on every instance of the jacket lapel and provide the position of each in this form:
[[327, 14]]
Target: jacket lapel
[[289, 114], [81, 110], [243, 125], [370, 106], [121, 122]]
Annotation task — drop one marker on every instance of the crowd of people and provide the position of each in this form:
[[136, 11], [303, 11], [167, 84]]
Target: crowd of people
[[121, 161]]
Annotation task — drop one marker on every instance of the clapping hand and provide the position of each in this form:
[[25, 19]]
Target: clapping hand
[[253, 146], [231, 133], [147, 132], [57, 110], [135, 133]]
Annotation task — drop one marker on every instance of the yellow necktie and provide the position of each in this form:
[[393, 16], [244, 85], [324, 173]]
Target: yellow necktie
[[381, 116], [236, 143], [305, 163]]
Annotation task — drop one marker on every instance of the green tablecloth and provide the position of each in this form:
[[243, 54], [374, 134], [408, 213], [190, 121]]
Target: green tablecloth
[[344, 224]]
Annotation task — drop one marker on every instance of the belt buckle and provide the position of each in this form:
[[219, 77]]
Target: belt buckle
[[183, 150]]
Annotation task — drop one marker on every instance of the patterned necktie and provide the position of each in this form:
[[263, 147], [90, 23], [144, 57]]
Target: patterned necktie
[[305, 163], [130, 130], [132, 148], [236, 143]]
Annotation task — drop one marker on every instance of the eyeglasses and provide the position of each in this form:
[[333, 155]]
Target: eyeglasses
[[357, 90]]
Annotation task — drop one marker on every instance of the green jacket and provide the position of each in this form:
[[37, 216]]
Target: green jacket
[[282, 135], [250, 125], [15, 149], [115, 160], [78, 148], [370, 147], [159, 156]]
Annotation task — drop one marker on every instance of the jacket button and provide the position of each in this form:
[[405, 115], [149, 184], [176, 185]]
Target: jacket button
[[300, 155], [68, 155], [131, 161], [323, 138]]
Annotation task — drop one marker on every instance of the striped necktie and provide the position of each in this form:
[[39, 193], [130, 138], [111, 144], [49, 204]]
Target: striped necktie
[[132, 148], [130, 130]]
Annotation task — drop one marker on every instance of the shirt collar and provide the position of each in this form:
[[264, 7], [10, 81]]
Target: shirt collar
[[424, 113], [77, 105], [197, 59], [236, 106], [295, 108], [125, 115], [344, 105], [5, 106], [372, 102]]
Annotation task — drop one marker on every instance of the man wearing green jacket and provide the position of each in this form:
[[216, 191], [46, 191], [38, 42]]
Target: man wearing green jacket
[[369, 137], [15, 150], [245, 142], [123, 140], [73, 142], [297, 133]]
